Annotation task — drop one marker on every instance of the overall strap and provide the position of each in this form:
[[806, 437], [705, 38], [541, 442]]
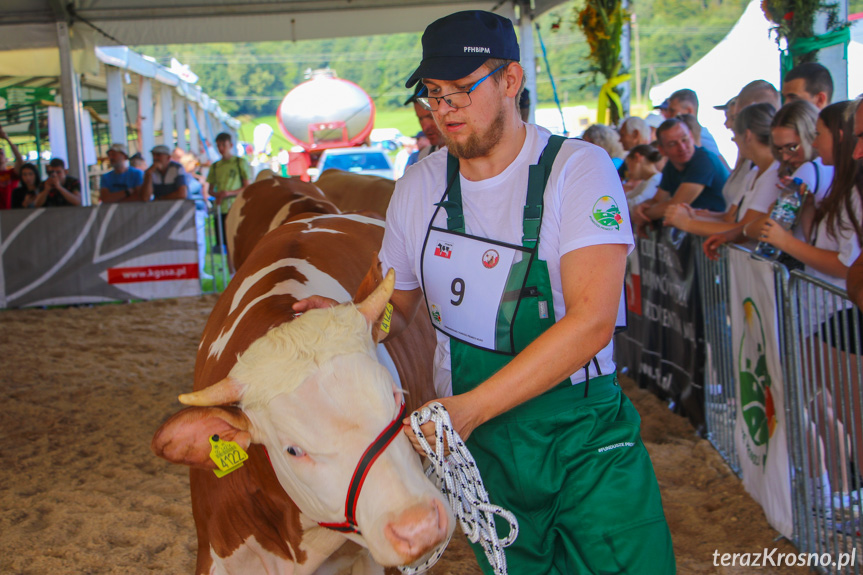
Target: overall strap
[[451, 201], [536, 181]]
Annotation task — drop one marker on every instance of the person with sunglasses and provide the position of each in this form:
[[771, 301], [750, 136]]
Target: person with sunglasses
[[792, 132], [514, 242], [59, 188]]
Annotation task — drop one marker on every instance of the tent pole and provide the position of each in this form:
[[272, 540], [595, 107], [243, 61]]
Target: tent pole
[[528, 60], [834, 58], [145, 113], [167, 99], [180, 112], [626, 62], [71, 92], [116, 105]]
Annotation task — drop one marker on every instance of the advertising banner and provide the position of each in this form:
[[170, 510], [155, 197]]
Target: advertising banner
[[663, 347], [112, 252], [760, 430]]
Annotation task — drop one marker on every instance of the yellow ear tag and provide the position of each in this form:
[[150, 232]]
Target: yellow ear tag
[[387, 319], [227, 455]]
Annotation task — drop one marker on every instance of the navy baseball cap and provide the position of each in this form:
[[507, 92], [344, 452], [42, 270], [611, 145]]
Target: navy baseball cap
[[456, 45]]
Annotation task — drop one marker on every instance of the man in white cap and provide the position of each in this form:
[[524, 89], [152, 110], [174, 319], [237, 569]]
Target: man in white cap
[[165, 179], [123, 183], [514, 242]]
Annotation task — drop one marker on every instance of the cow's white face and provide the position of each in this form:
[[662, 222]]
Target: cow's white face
[[317, 427], [315, 437]]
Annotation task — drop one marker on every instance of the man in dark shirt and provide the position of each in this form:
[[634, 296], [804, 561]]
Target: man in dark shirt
[[59, 189], [165, 179], [692, 175]]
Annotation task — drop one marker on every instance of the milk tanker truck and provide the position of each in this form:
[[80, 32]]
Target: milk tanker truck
[[322, 113]]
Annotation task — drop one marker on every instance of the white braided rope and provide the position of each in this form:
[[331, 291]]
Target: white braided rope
[[458, 478]]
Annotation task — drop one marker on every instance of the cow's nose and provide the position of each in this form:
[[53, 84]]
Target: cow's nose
[[418, 530]]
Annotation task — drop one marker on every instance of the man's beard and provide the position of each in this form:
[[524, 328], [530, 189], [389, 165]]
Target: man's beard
[[477, 145]]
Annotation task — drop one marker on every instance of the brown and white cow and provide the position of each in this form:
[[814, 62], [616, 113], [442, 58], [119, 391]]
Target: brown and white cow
[[265, 205], [355, 192], [312, 392]]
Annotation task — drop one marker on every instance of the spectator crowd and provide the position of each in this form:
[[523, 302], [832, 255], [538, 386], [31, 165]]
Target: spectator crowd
[[173, 175], [674, 176]]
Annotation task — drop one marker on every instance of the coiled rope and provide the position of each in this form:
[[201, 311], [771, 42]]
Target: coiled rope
[[457, 476]]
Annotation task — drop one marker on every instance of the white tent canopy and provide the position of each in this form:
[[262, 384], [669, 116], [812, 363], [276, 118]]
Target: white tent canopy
[[749, 52], [31, 23], [74, 27]]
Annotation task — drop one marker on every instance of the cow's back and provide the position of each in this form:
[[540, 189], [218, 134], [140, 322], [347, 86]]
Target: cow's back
[[356, 192], [263, 206]]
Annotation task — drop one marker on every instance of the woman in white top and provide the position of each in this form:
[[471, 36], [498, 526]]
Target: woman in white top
[[832, 234], [752, 136], [643, 163], [791, 134]]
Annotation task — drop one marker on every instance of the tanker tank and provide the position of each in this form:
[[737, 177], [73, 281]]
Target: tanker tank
[[326, 112]]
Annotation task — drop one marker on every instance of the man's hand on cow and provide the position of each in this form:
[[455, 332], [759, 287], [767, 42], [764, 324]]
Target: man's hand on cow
[[314, 302], [461, 414]]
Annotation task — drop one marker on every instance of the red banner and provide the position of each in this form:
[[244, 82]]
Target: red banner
[[152, 273]]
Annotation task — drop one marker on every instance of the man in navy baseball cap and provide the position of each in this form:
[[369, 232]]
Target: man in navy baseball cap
[[456, 45], [506, 199]]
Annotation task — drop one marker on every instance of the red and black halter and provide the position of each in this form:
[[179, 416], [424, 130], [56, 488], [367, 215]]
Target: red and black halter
[[372, 452]]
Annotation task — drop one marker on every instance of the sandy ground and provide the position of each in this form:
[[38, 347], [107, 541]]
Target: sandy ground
[[83, 390]]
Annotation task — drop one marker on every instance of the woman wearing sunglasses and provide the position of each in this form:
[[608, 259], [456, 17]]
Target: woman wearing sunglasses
[[792, 132]]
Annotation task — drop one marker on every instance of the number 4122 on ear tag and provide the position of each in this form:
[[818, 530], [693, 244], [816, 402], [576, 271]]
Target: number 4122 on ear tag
[[227, 455]]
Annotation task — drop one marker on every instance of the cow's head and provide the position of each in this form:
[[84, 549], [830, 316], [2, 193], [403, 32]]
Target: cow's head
[[312, 392]]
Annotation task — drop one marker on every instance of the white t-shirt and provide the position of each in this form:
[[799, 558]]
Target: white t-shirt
[[845, 241], [760, 191], [817, 178], [644, 191], [493, 208], [734, 189], [814, 311]]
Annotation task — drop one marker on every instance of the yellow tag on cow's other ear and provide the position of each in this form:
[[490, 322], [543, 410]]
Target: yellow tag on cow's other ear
[[227, 455], [387, 319]]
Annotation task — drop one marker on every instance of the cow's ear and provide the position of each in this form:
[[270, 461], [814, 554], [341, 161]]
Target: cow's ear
[[373, 279], [185, 437]]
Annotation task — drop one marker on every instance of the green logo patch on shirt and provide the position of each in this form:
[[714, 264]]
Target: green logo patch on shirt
[[606, 214]]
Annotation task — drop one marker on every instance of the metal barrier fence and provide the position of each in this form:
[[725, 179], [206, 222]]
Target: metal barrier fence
[[719, 391], [820, 347], [823, 355], [216, 263]]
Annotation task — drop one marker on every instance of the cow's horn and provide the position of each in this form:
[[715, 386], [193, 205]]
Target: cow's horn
[[373, 306], [225, 392]]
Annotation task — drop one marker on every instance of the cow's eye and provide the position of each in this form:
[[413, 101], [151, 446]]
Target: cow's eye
[[295, 451]]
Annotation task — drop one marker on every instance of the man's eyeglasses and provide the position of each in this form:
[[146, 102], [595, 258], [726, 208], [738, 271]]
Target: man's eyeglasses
[[786, 149], [455, 99]]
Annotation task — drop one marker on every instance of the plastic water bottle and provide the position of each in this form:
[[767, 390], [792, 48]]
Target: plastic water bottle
[[785, 213]]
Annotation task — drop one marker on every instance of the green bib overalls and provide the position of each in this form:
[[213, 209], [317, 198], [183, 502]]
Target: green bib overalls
[[569, 463]]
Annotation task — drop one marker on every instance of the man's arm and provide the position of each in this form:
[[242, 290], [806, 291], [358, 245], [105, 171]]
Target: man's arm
[[179, 194], [592, 301], [19, 161], [244, 182], [109, 197], [71, 196], [146, 193], [42, 196], [685, 194]]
